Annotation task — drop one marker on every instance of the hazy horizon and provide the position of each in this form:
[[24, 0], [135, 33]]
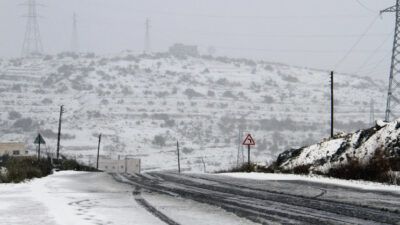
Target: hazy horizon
[[309, 33]]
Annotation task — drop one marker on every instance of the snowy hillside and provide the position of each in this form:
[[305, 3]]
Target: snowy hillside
[[360, 145], [143, 104]]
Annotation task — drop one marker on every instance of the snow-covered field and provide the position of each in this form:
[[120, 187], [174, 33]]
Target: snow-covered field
[[81, 198], [143, 104]]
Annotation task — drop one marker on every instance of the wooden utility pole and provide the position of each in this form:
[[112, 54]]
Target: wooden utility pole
[[179, 162], [59, 131], [98, 152], [332, 105], [239, 145], [39, 151]]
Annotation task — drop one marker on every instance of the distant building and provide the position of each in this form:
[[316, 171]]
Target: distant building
[[120, 166], [181, 50], [13, 149]]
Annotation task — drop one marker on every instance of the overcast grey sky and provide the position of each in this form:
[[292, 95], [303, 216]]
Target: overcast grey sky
[[310, 33]]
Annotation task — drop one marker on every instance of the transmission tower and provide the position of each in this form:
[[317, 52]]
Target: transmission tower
[[393, 97], [32, 45], [74, 40], [147, 37]]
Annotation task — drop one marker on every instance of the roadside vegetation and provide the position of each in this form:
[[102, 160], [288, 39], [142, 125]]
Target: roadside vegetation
[[18, 169], [379, 168], [246, 167]]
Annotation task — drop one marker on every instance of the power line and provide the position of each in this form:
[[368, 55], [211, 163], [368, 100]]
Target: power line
[[193, 14], [356, 43], [365, 7], [378, 63], [194, 32], [373, 53]]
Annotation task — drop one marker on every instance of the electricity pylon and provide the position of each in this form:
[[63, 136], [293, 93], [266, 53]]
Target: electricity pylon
[[393, 97], [74, 40], [32, 45], [147, 37]]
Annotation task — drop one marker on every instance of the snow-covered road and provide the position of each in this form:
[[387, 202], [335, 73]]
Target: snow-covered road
[[66, 198], [75, 198], [277, 201]]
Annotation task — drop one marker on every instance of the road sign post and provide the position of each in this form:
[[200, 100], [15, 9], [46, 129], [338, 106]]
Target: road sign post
[[248, 141], [39, 140]]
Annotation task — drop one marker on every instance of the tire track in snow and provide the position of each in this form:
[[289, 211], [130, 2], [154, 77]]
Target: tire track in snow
[[145, 204], [258, 205]]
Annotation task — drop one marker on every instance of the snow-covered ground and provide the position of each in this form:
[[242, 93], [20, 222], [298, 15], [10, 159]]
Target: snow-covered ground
[[143, 104], [365, 185], [66, 198]]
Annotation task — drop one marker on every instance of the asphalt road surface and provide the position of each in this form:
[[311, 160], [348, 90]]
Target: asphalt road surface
[[275, 202]]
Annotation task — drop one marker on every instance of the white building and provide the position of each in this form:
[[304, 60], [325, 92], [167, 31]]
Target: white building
[[128, 165], [13, 149]]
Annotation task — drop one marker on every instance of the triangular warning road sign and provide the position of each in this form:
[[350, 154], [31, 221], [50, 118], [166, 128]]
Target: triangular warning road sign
[[40, 139], [249, 140]]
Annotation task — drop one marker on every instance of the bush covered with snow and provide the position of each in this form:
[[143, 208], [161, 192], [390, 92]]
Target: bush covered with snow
[[22, 168], [371, 154]]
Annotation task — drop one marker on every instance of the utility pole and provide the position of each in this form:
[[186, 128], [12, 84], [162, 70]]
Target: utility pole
[[39, 151], [248, 154], [392, 101], [179, 162], [147, 37], [372, 113], [59, 131], [239, 145], [98, 152], [332, 105], [74, 40], [32, 45]]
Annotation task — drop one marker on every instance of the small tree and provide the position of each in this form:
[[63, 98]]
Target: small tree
[[159, 140]]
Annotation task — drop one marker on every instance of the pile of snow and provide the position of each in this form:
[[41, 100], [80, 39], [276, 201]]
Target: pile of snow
[[360, 145]]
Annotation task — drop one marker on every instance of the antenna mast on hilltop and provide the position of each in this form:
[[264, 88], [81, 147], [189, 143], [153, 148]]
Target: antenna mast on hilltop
[[74, 40], [393, 97], [32, 45], [147, 38]]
